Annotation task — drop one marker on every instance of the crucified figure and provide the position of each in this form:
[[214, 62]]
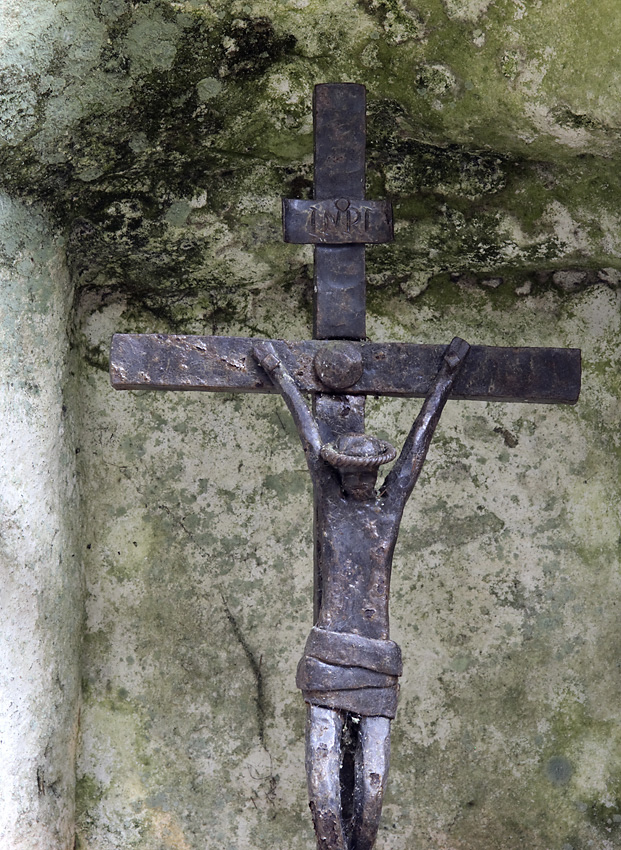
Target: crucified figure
[[349, 672], [350, 668]]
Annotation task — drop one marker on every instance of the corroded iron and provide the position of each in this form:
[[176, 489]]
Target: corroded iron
[[223, 364], [350, 667], [337, 221], [349, 670]]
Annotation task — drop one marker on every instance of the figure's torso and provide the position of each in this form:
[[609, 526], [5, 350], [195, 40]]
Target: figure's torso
[[355, 545]]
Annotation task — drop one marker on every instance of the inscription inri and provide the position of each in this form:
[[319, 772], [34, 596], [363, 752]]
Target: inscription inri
[[337, 221]]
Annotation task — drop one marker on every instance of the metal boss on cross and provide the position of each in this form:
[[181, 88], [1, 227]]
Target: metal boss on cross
[[350, 667]]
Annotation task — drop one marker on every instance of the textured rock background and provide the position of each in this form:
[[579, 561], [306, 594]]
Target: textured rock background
[[144, 149], [41, 589]]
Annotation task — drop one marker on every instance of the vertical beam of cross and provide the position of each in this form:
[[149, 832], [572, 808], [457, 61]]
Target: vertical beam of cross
[[339, 310], [340, 139]]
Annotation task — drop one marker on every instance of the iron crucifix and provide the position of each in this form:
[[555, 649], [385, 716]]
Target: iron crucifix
[[349, 670]]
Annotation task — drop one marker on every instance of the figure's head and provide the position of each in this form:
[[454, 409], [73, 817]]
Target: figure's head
[[359, 485], [358, 458]]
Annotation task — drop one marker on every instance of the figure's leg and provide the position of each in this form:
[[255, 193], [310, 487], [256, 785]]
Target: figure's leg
[[372, 763], [324, 727]]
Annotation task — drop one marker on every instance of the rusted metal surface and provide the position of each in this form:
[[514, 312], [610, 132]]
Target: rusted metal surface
[[352, 824], [350, 667], [226, 364], [338, 365], [349, 670], [337, 221], [339, 115]]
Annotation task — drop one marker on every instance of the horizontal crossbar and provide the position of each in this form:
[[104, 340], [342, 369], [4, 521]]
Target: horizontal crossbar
[[226, 364]]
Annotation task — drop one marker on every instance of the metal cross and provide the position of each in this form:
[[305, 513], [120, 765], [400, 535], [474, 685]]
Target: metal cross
[[348, 673]]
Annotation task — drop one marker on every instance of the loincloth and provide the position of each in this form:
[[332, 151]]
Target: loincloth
[[350, 673]]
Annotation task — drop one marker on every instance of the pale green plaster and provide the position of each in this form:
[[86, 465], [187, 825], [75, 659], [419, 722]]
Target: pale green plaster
[[40, 575], [503, 599]]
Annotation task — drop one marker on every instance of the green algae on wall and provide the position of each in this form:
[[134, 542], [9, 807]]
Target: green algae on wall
[[153, 128], [505, 576]]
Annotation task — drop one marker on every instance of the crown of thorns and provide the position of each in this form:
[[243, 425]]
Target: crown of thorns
[[356, 452]]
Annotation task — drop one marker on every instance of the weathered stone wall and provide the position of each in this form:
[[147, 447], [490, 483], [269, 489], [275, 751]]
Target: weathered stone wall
[[40, 577], [144, 149], [506, 576]]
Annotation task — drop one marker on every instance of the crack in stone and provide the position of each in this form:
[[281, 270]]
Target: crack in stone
[[255, 666]]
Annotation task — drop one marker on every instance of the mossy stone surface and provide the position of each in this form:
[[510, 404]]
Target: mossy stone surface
[[162, 134], [199, 561]]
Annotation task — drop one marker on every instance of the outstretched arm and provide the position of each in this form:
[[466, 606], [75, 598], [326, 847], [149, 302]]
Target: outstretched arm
[[265, 355], [400, 481]]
